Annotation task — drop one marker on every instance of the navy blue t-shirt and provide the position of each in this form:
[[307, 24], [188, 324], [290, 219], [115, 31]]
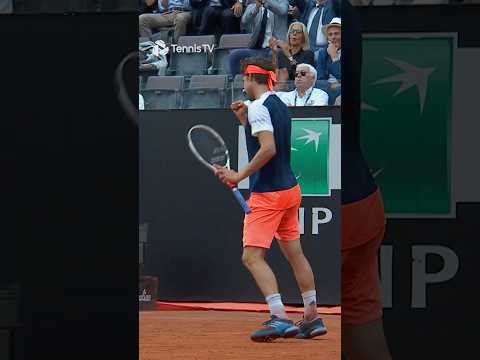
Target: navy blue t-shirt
[[269, 113]]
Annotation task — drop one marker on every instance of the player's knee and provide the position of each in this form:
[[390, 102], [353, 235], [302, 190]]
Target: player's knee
[[249, 259]]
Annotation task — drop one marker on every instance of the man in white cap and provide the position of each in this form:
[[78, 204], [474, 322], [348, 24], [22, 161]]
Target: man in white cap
[[304, 94], [328, 59]]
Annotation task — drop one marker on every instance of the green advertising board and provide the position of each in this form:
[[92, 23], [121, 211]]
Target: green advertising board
[[310, 155], [406, 121]]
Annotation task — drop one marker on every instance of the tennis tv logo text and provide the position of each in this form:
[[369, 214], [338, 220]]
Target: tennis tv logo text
[[162, 49]]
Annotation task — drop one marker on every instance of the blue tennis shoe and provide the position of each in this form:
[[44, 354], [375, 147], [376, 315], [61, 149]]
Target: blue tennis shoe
[[274, 328]]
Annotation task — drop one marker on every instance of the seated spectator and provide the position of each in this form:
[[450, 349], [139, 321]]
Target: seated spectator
[[304, 94], [178, 14], [198, 7], [286, 55], [264, 18], [149, 7], [223, 15], [328, 59], [295, 10], [317, 14]]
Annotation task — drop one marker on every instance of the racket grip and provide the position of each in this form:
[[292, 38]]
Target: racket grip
[[241, 200]]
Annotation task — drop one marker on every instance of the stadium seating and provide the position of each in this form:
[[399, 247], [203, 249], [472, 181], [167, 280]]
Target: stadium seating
[[226, 44], [163, 92], [237, 89], [205, 91], [191, 63], [165, 34]]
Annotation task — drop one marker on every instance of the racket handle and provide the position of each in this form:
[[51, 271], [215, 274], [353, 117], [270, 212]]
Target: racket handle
[[241, 200]]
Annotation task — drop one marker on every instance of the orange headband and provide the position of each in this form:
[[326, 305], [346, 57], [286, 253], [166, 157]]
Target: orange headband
[[253, 69]]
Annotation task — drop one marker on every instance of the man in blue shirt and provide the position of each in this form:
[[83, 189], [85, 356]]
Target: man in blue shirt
[[328, 59], [176, 13]]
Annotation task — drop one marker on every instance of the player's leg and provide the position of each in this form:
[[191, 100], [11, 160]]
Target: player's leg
[[259, 227], [288, 237], [292, 250], [254, 260]]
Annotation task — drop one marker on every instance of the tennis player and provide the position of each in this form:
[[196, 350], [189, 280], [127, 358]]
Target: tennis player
[[275, 198]]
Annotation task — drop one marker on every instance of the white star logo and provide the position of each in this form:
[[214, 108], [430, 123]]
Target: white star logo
[[376, 173], [412, 76], [311, 136], [367, 107]]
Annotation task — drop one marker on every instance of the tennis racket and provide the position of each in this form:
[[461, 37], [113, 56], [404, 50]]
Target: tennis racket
[[210, 149]]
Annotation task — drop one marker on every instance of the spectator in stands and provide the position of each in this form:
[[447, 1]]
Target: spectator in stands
[[198, 7], [178, 14], [264, 19], [295, 10], [149, 7], [305, 94], [223, 15], [141, 102], [286, 55], [317, 14], [328, 59]]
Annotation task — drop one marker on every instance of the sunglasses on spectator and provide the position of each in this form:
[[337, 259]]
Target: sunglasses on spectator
[[296, 31], [301, 72]]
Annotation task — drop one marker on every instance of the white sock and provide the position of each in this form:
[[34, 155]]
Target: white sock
[[275, 305], [310, 304]]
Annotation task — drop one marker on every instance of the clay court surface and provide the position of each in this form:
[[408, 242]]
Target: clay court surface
[[224, 335]]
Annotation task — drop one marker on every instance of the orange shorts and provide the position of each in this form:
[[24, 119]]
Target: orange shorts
[[363, 227], [274, 214]]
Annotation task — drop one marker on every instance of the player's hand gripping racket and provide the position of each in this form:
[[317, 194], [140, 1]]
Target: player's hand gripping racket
[[210, 149]]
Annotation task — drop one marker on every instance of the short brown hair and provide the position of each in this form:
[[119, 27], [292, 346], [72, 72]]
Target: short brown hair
[[264, 63]]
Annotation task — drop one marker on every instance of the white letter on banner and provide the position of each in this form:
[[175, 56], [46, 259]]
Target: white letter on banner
[[316, 221], [420, 277], [301, 220]]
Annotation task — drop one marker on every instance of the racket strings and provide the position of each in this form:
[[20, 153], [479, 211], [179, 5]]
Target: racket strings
[[209, 148]]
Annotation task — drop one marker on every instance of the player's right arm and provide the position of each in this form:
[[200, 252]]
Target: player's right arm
[[240, 109]]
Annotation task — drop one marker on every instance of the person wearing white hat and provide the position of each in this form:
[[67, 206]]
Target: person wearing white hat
[[328, 59], [317, 13]]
